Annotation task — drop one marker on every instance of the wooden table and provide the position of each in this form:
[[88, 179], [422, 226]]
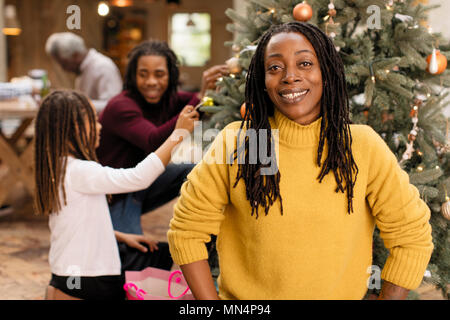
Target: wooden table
[[17, 159]]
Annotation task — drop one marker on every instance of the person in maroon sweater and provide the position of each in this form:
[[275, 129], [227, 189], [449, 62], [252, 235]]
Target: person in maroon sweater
[[138, 120]]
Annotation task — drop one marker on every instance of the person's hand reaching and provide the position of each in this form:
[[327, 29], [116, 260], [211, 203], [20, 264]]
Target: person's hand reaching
[[210, 77], [137, 241]]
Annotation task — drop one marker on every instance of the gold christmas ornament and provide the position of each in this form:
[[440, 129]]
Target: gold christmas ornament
[[207, 102], [445, 209], [233, 65]]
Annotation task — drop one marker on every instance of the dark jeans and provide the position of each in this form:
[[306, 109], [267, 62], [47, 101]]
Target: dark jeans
[[135, 260], [126, 212]]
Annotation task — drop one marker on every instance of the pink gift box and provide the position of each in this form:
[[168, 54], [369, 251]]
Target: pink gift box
[[156, 284]]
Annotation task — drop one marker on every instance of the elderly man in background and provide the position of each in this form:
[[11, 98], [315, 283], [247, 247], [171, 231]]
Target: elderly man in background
[[97, 75]]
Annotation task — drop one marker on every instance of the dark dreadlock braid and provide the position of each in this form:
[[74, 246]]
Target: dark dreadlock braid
[[334, 127], [60, 130]]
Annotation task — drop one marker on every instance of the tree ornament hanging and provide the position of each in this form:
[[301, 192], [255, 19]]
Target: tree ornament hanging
[[233, 65], [445, 208], [416, 2], [414, 114], [243, 110], [207, 101], [302, 12], [235, 48], [437, 62]]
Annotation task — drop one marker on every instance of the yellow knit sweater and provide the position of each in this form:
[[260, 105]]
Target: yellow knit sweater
[[315, 250]]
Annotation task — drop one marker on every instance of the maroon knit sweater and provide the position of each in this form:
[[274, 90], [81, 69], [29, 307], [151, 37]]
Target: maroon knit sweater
[[132, 128]]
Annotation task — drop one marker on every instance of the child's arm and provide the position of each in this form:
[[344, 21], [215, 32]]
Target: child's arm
[[183, 127], [90, 177], [199, 279]]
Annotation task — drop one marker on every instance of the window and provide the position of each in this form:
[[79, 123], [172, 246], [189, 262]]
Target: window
[[190, 38]]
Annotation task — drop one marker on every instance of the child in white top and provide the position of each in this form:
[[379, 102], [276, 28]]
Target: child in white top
[[71, 188]]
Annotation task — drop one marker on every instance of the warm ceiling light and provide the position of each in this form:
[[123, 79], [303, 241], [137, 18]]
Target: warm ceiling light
[[103, 9], [121, 3], [11, 26]]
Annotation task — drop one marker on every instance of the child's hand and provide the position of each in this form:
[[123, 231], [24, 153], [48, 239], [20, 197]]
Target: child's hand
[[135, 240], [183, 128]]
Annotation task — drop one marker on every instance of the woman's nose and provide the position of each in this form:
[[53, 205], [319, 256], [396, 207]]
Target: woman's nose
[[291, 76]]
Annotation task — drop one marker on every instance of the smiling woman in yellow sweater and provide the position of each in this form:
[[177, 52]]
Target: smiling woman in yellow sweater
[[304, 231]]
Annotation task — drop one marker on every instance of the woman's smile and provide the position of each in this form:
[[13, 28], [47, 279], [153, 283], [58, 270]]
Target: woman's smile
[[293, 96]]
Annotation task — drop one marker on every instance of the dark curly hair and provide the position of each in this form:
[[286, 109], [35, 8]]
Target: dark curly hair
[[334, 128], [152, 48]]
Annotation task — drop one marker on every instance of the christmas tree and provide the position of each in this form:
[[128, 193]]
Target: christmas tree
[[396, 75]]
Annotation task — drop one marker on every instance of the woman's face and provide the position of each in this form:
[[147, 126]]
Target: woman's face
[[292, 76], [152, 77]]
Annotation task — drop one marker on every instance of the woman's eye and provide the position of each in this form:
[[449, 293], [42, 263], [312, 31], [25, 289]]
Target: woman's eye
[[305, 64], [273, 68]]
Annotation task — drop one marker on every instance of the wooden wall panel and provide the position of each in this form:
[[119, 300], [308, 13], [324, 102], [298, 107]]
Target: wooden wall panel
[[41, 18]]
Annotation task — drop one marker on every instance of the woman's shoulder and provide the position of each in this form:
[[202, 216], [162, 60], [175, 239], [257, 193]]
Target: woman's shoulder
[[234, 125], [363, 132], [365, 138]]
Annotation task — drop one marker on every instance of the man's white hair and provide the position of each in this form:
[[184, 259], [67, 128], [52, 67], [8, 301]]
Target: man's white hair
[[64, 45]]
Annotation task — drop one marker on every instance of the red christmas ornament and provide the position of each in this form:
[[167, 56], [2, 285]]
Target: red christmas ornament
[[302, 12], [243, 110], [413, 113]]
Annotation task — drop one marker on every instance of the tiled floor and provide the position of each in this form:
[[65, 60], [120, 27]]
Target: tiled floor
[[24, 245]]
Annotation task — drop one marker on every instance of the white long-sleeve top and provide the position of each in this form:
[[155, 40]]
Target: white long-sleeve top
[[82, 241]]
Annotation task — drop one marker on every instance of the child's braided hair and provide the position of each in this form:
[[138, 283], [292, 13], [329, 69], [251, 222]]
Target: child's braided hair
[[60, 130]]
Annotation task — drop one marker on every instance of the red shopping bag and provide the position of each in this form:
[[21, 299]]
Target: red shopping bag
[[156, 284]]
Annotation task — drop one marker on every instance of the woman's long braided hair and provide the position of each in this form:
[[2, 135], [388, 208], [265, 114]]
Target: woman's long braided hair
[[264, 190], [60, 130]]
